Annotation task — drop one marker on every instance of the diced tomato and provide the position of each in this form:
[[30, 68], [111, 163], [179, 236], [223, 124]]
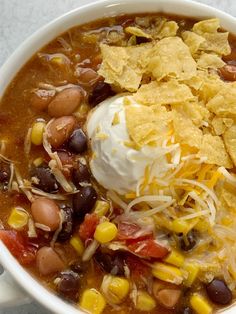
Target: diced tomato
[[148, 248], [130, 231], [137, 268], [88, 226], [18, 246]]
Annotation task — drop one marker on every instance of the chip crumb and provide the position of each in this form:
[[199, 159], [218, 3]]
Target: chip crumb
[[116, 119], [101, 136]]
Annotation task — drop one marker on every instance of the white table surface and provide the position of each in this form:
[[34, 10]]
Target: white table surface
[[19, 19]]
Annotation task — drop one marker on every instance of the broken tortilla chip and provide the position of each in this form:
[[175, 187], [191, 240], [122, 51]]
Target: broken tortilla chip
[[171, 58], [230, 142], [215, 41], [220, 125], [207, 60], [193, 41], [185, 131], [124, 66], [223, 104], [162, 93], [213, 148], [147, 124]]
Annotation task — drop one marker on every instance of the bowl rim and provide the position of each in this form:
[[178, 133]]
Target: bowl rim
[[35, 42]]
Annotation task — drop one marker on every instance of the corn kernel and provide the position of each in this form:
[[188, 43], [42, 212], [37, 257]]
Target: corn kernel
[[180, 226], [192, 270], [77, 245], [37, 133], [57, 60], [92, 301], [145, 302], [38, 161], [175, 258], [105, 232], [167, 273], [202, 225], [115, 289], [101, 208], [200, 305], [18, 218]]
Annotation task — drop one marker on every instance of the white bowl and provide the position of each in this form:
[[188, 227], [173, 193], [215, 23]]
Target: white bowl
[[10, 293]]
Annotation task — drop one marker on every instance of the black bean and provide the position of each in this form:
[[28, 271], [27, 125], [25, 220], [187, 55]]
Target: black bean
[[84, 201], [80, 174], [5, 174], [218, 292], [113, 264], [67, 225], [187, 242], [77, 142], [77, 267], [186, 310], [100, 92], [43, 178], [68, 285]]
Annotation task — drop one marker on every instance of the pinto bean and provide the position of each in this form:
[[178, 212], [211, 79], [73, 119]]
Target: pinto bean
[[48, 261], [46, 212], [41, 98], [65, 103], [60, 130], [228, 72], [168, 297], [87, 76]]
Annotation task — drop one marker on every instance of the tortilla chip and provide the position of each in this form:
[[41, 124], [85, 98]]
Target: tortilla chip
[[136, 31], [124, 66], [146, 124], [229, 196], [223, 104], [213, 148], [169, 29], [193, 41], [215, 41], [162, 93], [186, 132], [207, 60], [171, 58], [220, 125], [193, 110], [206, 26], [230, 142], [211, 85], [195, 82]]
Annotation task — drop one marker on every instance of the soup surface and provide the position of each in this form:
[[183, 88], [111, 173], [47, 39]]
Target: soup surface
[[117, 165]]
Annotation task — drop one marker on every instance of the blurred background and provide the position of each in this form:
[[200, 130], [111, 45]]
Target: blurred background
[[18, 20]]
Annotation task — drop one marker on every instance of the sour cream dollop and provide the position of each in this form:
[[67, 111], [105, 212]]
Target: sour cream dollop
[[114, 164]]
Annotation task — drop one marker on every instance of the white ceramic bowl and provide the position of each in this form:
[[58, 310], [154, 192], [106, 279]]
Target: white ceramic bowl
[[10, 293]]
